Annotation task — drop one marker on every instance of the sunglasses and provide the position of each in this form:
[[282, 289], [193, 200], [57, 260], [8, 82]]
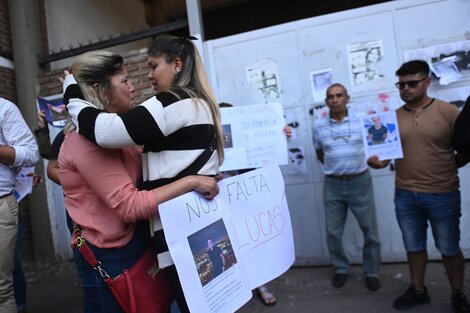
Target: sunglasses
[[410, 83]]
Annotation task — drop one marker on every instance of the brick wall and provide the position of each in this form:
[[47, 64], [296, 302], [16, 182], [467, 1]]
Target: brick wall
[[5, 36], [7, 75], [136, 65], [7, 84]]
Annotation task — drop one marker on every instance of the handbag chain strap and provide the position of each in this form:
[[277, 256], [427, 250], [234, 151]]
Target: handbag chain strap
[[86, 251]]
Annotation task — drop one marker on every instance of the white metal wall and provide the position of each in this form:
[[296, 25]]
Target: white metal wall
[[301, 47]]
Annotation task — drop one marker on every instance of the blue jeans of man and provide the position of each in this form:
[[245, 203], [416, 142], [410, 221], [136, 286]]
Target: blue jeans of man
[[415, 210], [355, 194]]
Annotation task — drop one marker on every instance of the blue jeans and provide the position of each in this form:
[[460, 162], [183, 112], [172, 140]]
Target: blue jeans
[[19, 282], [355, 194], [97, 296], [442, 210]]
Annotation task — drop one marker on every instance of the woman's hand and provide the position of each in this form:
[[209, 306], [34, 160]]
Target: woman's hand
[[62, 79], [206, 186]]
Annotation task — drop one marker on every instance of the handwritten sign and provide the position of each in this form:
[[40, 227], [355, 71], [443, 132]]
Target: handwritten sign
[[253, 136], [248, 224]]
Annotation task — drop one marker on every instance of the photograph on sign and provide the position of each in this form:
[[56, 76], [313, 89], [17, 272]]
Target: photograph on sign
[[381, 136]]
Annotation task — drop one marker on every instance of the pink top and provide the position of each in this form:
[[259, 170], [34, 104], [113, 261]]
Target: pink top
[[100, 193]]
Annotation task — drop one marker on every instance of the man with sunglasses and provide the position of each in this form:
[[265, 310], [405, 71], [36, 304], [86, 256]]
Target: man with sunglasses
[[348, 185], [427, 185]]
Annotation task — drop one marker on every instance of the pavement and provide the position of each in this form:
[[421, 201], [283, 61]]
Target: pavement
[[56, 289]]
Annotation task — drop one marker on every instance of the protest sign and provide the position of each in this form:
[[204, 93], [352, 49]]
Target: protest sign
[[248, 225], [381, 136], [253, 136], [54, 109]]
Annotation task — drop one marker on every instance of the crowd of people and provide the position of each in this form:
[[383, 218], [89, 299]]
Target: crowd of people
[[172, 143]]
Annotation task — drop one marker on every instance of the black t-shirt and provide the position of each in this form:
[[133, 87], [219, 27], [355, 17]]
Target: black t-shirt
[[55, 147], [214, 256]]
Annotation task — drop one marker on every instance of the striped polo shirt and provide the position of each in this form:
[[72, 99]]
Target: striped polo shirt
[[342, 145]]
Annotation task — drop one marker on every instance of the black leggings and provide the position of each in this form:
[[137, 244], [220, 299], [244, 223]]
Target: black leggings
[[177, 289]]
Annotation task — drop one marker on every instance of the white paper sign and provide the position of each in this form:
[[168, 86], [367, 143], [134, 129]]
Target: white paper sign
[[253, 136], [23, 183], [381, 136], [248, 222]]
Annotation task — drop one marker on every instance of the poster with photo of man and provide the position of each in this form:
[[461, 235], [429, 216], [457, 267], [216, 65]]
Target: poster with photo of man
[[381, 136], [226, 247]]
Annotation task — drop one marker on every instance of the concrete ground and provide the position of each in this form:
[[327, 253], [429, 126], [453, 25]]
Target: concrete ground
[[56, 289]]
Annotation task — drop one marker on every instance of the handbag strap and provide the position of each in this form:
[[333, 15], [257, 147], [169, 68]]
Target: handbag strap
[[130, 285], [86, 252]]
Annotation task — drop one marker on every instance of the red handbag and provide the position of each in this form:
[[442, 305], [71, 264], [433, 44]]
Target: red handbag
[[144, 288]]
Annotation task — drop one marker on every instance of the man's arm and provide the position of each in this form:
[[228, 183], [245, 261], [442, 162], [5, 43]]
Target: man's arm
[[223, 260], [53, 165], [369, 133], [462, 159], [42, 135], [20, 148], [53, 171], [7, 155], [461, 137]]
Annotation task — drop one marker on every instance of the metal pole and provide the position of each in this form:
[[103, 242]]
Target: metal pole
[[194, 12], [26, 39]]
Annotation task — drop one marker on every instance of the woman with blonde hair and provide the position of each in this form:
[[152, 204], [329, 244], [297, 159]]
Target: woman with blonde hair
[[179, 127], [99, 184]]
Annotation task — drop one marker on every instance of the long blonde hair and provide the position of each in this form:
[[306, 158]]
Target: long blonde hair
[[93, 71], [191, 79]]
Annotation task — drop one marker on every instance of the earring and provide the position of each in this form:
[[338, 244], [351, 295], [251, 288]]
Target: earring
[[177, 70], [107, 101]]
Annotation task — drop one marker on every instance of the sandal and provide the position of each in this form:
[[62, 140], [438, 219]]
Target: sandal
[[265, 296]]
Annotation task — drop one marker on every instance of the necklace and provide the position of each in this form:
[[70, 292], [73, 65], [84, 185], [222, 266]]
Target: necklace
[[338, 134], [422, 108]]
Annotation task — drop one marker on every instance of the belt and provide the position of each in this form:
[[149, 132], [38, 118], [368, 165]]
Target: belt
[[347, 176], [4, 196]]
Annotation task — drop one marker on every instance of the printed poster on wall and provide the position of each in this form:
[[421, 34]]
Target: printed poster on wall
[[253, 136], [446, 61], [320, 81], [364, 59], [263, 77], [226, 247]]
